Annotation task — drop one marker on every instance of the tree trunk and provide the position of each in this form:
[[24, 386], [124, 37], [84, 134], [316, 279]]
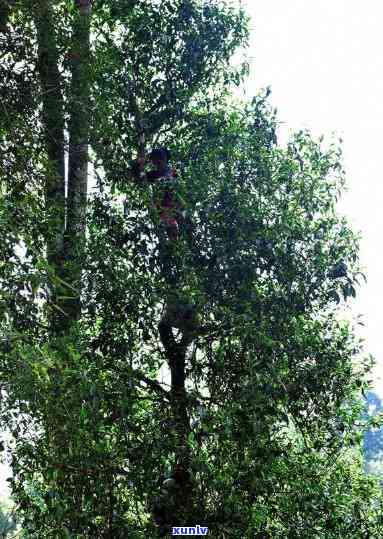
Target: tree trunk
[[79, 110], [66, 216], [176, 355], [53, 122]]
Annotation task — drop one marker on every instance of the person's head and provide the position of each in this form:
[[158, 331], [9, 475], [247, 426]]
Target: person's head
[[160, 157]]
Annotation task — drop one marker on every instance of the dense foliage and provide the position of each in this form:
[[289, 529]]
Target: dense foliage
[[258, 391]]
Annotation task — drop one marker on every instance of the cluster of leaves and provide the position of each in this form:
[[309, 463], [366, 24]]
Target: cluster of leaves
[[160, 58]]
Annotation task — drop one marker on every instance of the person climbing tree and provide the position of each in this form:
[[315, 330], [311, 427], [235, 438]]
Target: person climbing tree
[[168, 202]]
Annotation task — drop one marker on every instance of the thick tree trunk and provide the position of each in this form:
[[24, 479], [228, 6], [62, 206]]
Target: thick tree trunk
[[53, 122], [79, 110], [66, 217]]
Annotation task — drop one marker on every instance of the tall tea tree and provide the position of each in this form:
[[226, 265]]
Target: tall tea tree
[[270, 385], [43, 225]]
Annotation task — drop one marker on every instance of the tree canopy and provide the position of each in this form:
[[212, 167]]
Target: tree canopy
[[126, 357]]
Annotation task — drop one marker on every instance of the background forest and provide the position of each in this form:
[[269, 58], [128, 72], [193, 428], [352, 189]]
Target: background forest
[[150, 382]]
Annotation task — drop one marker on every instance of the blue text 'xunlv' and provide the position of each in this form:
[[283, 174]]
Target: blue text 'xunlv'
[[196, 530]]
